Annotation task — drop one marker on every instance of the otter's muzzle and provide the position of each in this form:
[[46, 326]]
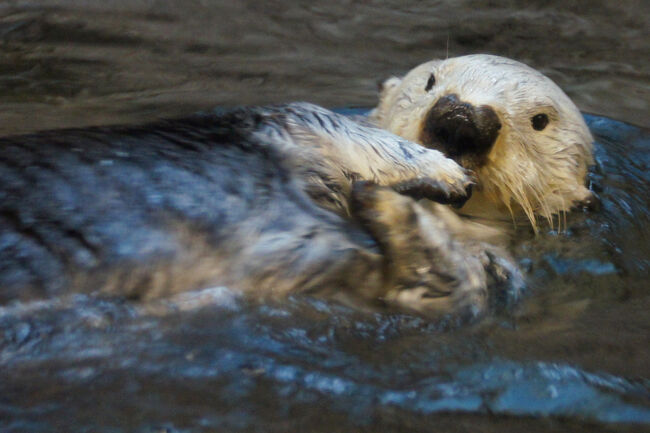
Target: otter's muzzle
[[460, 130]]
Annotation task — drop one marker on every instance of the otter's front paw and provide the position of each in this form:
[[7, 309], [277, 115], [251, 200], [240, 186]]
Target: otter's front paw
[[454, 193], [437, 178]]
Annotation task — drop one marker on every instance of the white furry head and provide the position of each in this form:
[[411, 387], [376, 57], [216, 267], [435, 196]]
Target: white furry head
[[537, 151]]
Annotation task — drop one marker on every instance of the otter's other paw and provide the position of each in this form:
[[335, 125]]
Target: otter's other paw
[[425, 269], [459, 300]]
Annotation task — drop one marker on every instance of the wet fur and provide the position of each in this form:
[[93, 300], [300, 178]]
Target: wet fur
[[267, 200], [529, 172]]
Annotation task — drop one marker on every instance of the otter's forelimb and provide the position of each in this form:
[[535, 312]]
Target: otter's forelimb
[[331, 151]]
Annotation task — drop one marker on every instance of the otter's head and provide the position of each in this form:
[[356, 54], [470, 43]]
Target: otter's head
[[513, 127]]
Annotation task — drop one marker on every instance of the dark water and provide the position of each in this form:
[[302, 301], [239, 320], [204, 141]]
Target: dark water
[[574, 356], [79, 62]]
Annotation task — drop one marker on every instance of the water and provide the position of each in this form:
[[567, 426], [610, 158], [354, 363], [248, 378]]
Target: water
[[574, 356], [80, 62]]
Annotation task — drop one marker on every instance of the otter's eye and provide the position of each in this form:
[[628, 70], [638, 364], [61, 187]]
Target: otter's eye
[[539, 121], [430, 82]]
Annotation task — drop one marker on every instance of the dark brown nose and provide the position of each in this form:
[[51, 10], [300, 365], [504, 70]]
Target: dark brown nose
[[460, 129]]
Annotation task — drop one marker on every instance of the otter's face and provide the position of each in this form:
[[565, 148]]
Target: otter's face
[[522, 136]]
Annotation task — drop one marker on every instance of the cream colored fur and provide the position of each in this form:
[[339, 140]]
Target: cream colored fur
[[529, 172]]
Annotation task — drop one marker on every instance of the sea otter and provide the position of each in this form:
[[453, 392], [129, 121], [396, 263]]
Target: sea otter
[[267, 200], [522, 137]]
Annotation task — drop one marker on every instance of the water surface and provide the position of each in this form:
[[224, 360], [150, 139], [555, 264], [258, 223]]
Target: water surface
[[80, 62], [574, 356]]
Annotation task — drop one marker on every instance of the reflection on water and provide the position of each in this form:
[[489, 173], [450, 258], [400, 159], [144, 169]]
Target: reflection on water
[[576, 351], [80, 62]]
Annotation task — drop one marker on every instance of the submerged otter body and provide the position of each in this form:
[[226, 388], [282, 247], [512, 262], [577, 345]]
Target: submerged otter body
[[268, 200]]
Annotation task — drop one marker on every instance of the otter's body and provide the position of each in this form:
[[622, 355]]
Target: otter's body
[[265, 200], [133, 210]]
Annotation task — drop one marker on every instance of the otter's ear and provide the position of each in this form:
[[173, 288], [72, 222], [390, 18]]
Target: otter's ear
[[386, 89], [386, 85]]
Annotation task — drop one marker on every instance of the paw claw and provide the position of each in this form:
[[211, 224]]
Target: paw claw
[[442, 192], [508, 284]]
